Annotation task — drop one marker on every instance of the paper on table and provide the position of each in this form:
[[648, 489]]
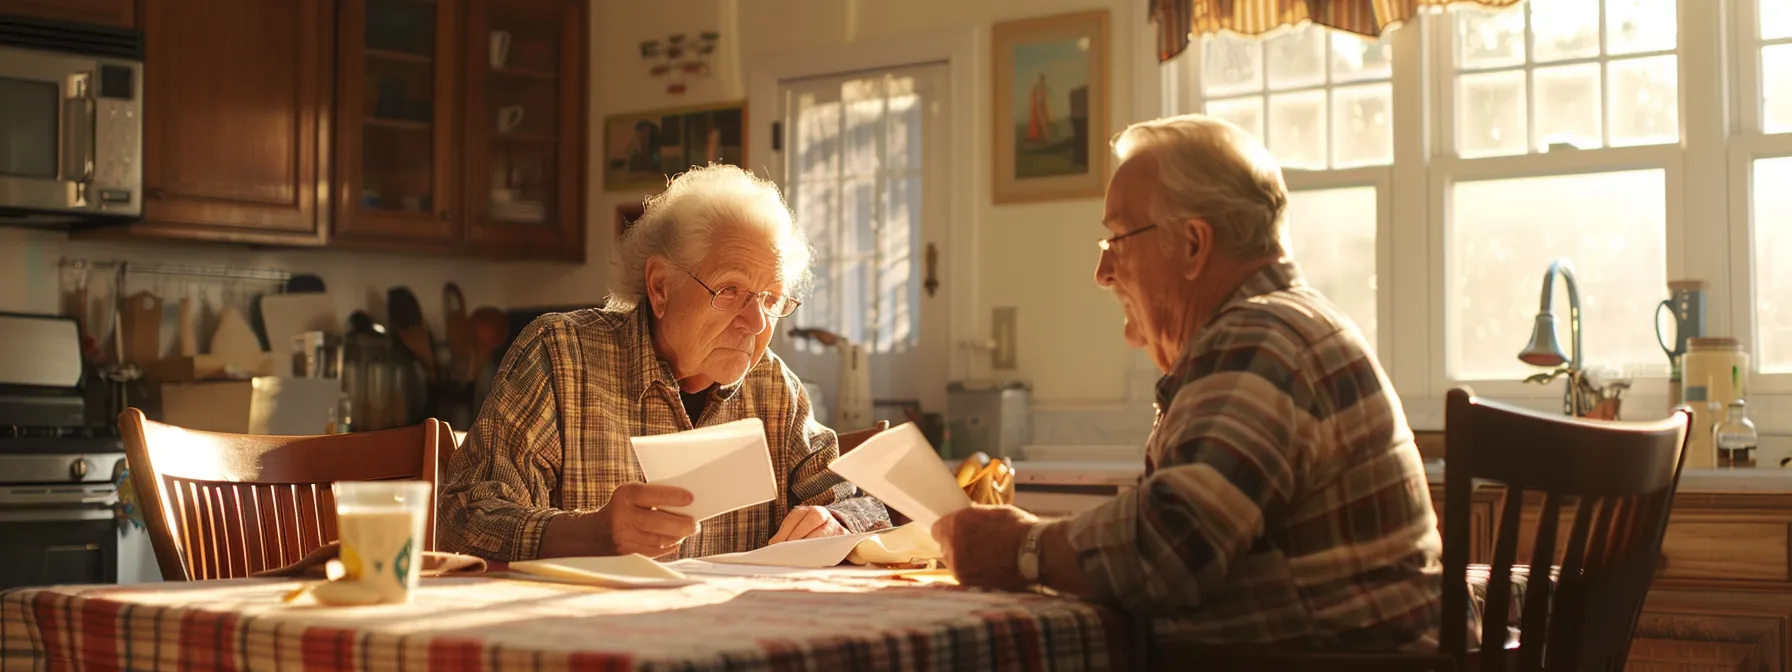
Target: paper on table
[[726, 467], [899, 467], [623, 571], [817, 552], [707, 567]]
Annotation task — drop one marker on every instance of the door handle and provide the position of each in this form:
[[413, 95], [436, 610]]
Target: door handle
[[77, 141]]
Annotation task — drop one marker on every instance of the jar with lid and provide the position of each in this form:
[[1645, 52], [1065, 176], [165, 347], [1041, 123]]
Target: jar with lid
[[1736, 438], [1714, 372]]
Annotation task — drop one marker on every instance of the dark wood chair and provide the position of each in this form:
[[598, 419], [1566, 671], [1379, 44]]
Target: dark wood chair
[[222, 505], [1612, 483]]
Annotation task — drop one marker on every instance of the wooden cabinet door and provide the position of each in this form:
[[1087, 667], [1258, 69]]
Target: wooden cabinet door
[[525, 119], [236, 102], [116, 13], [396, 138]]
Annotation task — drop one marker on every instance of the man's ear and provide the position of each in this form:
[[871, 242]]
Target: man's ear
[[1195, 248], [658, 279]]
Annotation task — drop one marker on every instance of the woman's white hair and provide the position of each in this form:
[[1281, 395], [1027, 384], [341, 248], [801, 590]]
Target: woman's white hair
[[1210, 169], [681, 221]]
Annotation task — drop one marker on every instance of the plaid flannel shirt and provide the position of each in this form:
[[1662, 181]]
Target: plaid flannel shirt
[[553, 437], [1284, 499]]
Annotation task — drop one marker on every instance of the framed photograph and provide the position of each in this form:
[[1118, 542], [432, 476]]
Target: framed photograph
[[642, 149], [1051, 107], [626, 214]]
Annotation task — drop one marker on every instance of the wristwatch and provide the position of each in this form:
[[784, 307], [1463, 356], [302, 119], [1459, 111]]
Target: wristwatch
[[1029, 553]]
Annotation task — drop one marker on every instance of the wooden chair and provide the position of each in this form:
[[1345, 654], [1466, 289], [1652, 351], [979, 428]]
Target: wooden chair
[[224, 505], [1615, 480]]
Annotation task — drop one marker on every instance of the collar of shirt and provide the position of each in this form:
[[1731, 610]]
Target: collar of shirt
[[649, 368], [1280, 276]]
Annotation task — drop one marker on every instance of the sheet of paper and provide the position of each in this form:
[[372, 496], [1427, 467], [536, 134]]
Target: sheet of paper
[[817, 552], [726, 467], [899, 467], [707, 567], [623, 571]]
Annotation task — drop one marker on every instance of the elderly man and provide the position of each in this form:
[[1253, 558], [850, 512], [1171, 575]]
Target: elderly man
[[1284, 501], [547, 469]]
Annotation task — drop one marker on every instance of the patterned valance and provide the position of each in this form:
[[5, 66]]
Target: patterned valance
[[1180, 21]]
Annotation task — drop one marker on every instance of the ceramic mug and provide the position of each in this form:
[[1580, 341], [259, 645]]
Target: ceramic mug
[[500, 46], [509, 117]]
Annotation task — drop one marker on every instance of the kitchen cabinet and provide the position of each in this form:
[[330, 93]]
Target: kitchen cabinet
[[237, 102], [114, 13], [463, 127]]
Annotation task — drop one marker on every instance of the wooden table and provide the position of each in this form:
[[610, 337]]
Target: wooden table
[[483, 623]]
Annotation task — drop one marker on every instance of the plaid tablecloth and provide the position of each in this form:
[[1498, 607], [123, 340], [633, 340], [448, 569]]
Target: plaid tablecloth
[[481, 623]]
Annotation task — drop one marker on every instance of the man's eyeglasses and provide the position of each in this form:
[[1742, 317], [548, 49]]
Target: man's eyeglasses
[[731, 299], [1107, 244]]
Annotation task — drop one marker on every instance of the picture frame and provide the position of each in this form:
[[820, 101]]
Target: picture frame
[[1051, 107], [626, 215], [643, 149]]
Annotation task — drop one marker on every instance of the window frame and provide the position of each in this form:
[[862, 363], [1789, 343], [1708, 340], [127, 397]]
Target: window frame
[[1746, 144]]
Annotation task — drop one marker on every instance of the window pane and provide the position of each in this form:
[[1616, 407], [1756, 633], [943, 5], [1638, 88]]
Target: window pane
[[1297, 58], [1356, 58], [1632, 26], [1776, 88], [1776, 19], [1362, 125], [1247, 113], [1504, 233], [1489, 39], [1568, 106], [1773, 281], [1645, 102], [1490, 117], [1331, 233], [1231, 65], [1564, 29], [1297, 129]]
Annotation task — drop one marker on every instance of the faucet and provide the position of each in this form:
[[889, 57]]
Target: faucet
[[1544, 350]]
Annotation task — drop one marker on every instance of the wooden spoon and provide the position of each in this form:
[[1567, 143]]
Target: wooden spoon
[[490, 328], [460, 333], [406, 318]]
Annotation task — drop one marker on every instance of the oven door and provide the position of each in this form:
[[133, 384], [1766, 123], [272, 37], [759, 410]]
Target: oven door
[[70, 136], [64, 534]]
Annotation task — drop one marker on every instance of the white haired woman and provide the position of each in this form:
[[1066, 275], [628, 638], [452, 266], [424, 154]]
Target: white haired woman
[[547, 469]]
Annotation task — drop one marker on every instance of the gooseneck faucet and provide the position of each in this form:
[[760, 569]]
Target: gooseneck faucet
[[1545, 350]]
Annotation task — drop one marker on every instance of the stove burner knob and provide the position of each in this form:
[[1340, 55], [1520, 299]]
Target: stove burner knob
[[79, 468]]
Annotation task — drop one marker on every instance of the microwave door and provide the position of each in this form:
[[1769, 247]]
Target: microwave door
[[47, 131]]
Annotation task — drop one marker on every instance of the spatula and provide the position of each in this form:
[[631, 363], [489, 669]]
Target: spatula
[[142, 327], [405, 316], [460, 333]]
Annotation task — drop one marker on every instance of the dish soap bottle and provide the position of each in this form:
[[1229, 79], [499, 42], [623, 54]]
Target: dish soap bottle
[[1735, 438]]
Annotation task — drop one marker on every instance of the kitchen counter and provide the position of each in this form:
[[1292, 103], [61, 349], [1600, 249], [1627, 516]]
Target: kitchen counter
[[1771, 480]]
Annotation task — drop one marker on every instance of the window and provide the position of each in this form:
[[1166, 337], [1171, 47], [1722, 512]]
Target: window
[[1773, 282], [854, 183], [1776, 65], [1762, 158], [1331, 232], [1578, 82]]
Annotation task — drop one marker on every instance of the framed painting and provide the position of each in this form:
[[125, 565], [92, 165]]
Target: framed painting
[[626, 214], [641, 149], [1051, 107]]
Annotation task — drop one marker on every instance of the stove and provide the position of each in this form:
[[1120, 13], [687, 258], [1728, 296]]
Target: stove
[[58, 472]]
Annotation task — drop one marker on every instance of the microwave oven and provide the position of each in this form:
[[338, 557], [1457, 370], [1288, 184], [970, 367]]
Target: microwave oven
[[71, 123]]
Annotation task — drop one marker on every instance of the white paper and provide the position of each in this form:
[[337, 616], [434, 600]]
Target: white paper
[[725, 467], [623, 571], [707, 567], [899, 467], [816, 552]]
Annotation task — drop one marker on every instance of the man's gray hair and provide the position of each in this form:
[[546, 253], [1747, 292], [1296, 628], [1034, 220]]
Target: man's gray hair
[[1210, 169], [681, 222]]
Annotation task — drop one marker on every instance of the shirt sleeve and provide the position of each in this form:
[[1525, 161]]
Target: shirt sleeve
[[856, 511], [1225, 455], [502, 481]]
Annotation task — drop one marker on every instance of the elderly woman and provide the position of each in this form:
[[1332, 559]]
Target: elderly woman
[[1284, 501], [547, 469]]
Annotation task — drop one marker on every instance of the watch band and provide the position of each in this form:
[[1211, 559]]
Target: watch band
[[1029, 553]]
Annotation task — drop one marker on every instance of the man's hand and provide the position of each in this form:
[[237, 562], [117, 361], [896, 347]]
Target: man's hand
[[982, 545], [808, 522], [630, 523]]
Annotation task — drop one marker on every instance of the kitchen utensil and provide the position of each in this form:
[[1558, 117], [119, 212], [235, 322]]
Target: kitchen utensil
[[234, 336], [490, 329], [186, 343], [142, 327], [460, 333], [500, 48], [509, 117], [406, 316], [304, 283]]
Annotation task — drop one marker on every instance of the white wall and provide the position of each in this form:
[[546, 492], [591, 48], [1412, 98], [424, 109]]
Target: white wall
[[1037, 257]]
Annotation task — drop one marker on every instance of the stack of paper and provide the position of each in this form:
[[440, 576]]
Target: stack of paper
[[622, 571], [726, 467], [899, 467]]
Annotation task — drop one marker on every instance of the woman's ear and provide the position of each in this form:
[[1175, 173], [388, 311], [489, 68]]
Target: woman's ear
[[658, 284], [1196, 247]]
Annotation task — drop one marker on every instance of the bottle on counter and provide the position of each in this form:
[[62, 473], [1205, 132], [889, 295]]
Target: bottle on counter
[[1736, 438]]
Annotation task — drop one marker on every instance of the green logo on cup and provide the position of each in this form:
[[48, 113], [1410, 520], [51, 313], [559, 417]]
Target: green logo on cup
[[401, 565]]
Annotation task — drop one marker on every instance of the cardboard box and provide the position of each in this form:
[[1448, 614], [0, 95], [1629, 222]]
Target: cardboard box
[[259, 405]]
